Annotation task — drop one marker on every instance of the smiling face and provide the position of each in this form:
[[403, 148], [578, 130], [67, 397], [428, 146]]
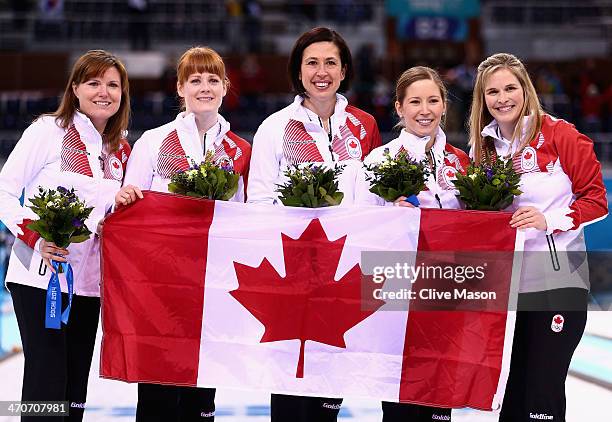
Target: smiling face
[[504, 98], [100, 97], [321, 71], [202, 93], [422, 108]]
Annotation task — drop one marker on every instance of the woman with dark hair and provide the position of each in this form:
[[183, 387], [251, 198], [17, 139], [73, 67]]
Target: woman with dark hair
[[81, 145], [197, 130], [563, 191], [318, 127]]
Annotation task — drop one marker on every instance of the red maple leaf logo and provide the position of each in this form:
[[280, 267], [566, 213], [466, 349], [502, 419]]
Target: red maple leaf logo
[[558, 320], [306, 304], [115, 164], [450, 173], [528, 155], [353, 144]]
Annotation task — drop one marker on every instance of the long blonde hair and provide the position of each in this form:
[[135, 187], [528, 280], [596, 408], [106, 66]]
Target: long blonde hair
[[479, 114]]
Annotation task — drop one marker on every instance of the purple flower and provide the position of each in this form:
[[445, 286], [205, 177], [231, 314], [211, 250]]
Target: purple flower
[[63, 190], [77, 223], [489, 173]]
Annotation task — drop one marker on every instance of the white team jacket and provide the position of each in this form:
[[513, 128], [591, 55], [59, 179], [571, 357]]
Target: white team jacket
[[49, 156], [561, 177], [294, 135], [162, 151], [449, 160]]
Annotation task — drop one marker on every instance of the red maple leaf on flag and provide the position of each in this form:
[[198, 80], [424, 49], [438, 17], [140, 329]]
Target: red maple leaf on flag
[[306, 304]]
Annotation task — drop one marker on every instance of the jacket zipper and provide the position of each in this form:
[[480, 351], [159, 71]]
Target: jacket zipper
[[433, 164]]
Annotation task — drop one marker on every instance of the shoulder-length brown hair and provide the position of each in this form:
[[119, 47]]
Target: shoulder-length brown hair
[[479, 114], [319, 34], [90, 65]]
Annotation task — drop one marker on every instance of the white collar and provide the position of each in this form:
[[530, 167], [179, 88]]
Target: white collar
[[492, 130], [304, 115], [84, 125], [186, 121], [416, 145]]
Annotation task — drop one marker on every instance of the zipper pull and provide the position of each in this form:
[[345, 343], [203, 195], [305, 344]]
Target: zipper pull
[[438, 199], [434, 167], [553, 252], [331, 149]]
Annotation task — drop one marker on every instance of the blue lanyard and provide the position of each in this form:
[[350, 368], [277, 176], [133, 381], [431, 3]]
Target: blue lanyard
[[53, 319]]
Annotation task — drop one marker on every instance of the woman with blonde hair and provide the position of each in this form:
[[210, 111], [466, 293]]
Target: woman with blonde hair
[[421, 103], [158, 154], [563, 191], [81, 145]]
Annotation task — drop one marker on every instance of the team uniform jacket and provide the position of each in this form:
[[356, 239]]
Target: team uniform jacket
[[561, 177], [439, 189], [161, 152], [294, 135], [50, 156]]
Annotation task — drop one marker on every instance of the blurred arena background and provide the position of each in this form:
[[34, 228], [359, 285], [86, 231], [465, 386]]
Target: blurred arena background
[[566, 45]]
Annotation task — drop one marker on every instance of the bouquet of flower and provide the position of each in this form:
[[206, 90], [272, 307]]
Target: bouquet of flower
[[206, 180], [311, 186], [61, 216], [61, 220], [399, 176], [489, 186]]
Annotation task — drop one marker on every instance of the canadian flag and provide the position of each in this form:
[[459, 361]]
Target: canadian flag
[[223, 294]]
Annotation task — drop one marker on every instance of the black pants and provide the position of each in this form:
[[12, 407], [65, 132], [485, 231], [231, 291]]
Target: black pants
[[541, 354], [286, 408], [57, 362], [404, 412], [166, 403]]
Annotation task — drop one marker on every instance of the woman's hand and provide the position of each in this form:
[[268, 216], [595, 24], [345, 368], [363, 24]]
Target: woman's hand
[[99, 226], [528, 217], [127, 195], [401, 202], [49, 251]]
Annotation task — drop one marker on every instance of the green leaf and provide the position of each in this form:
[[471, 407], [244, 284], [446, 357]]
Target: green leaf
[[80, 238], [307, 200], [310, 190], [292, 201]]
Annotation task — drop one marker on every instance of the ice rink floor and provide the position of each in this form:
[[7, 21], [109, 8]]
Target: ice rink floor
[[589, 390]]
